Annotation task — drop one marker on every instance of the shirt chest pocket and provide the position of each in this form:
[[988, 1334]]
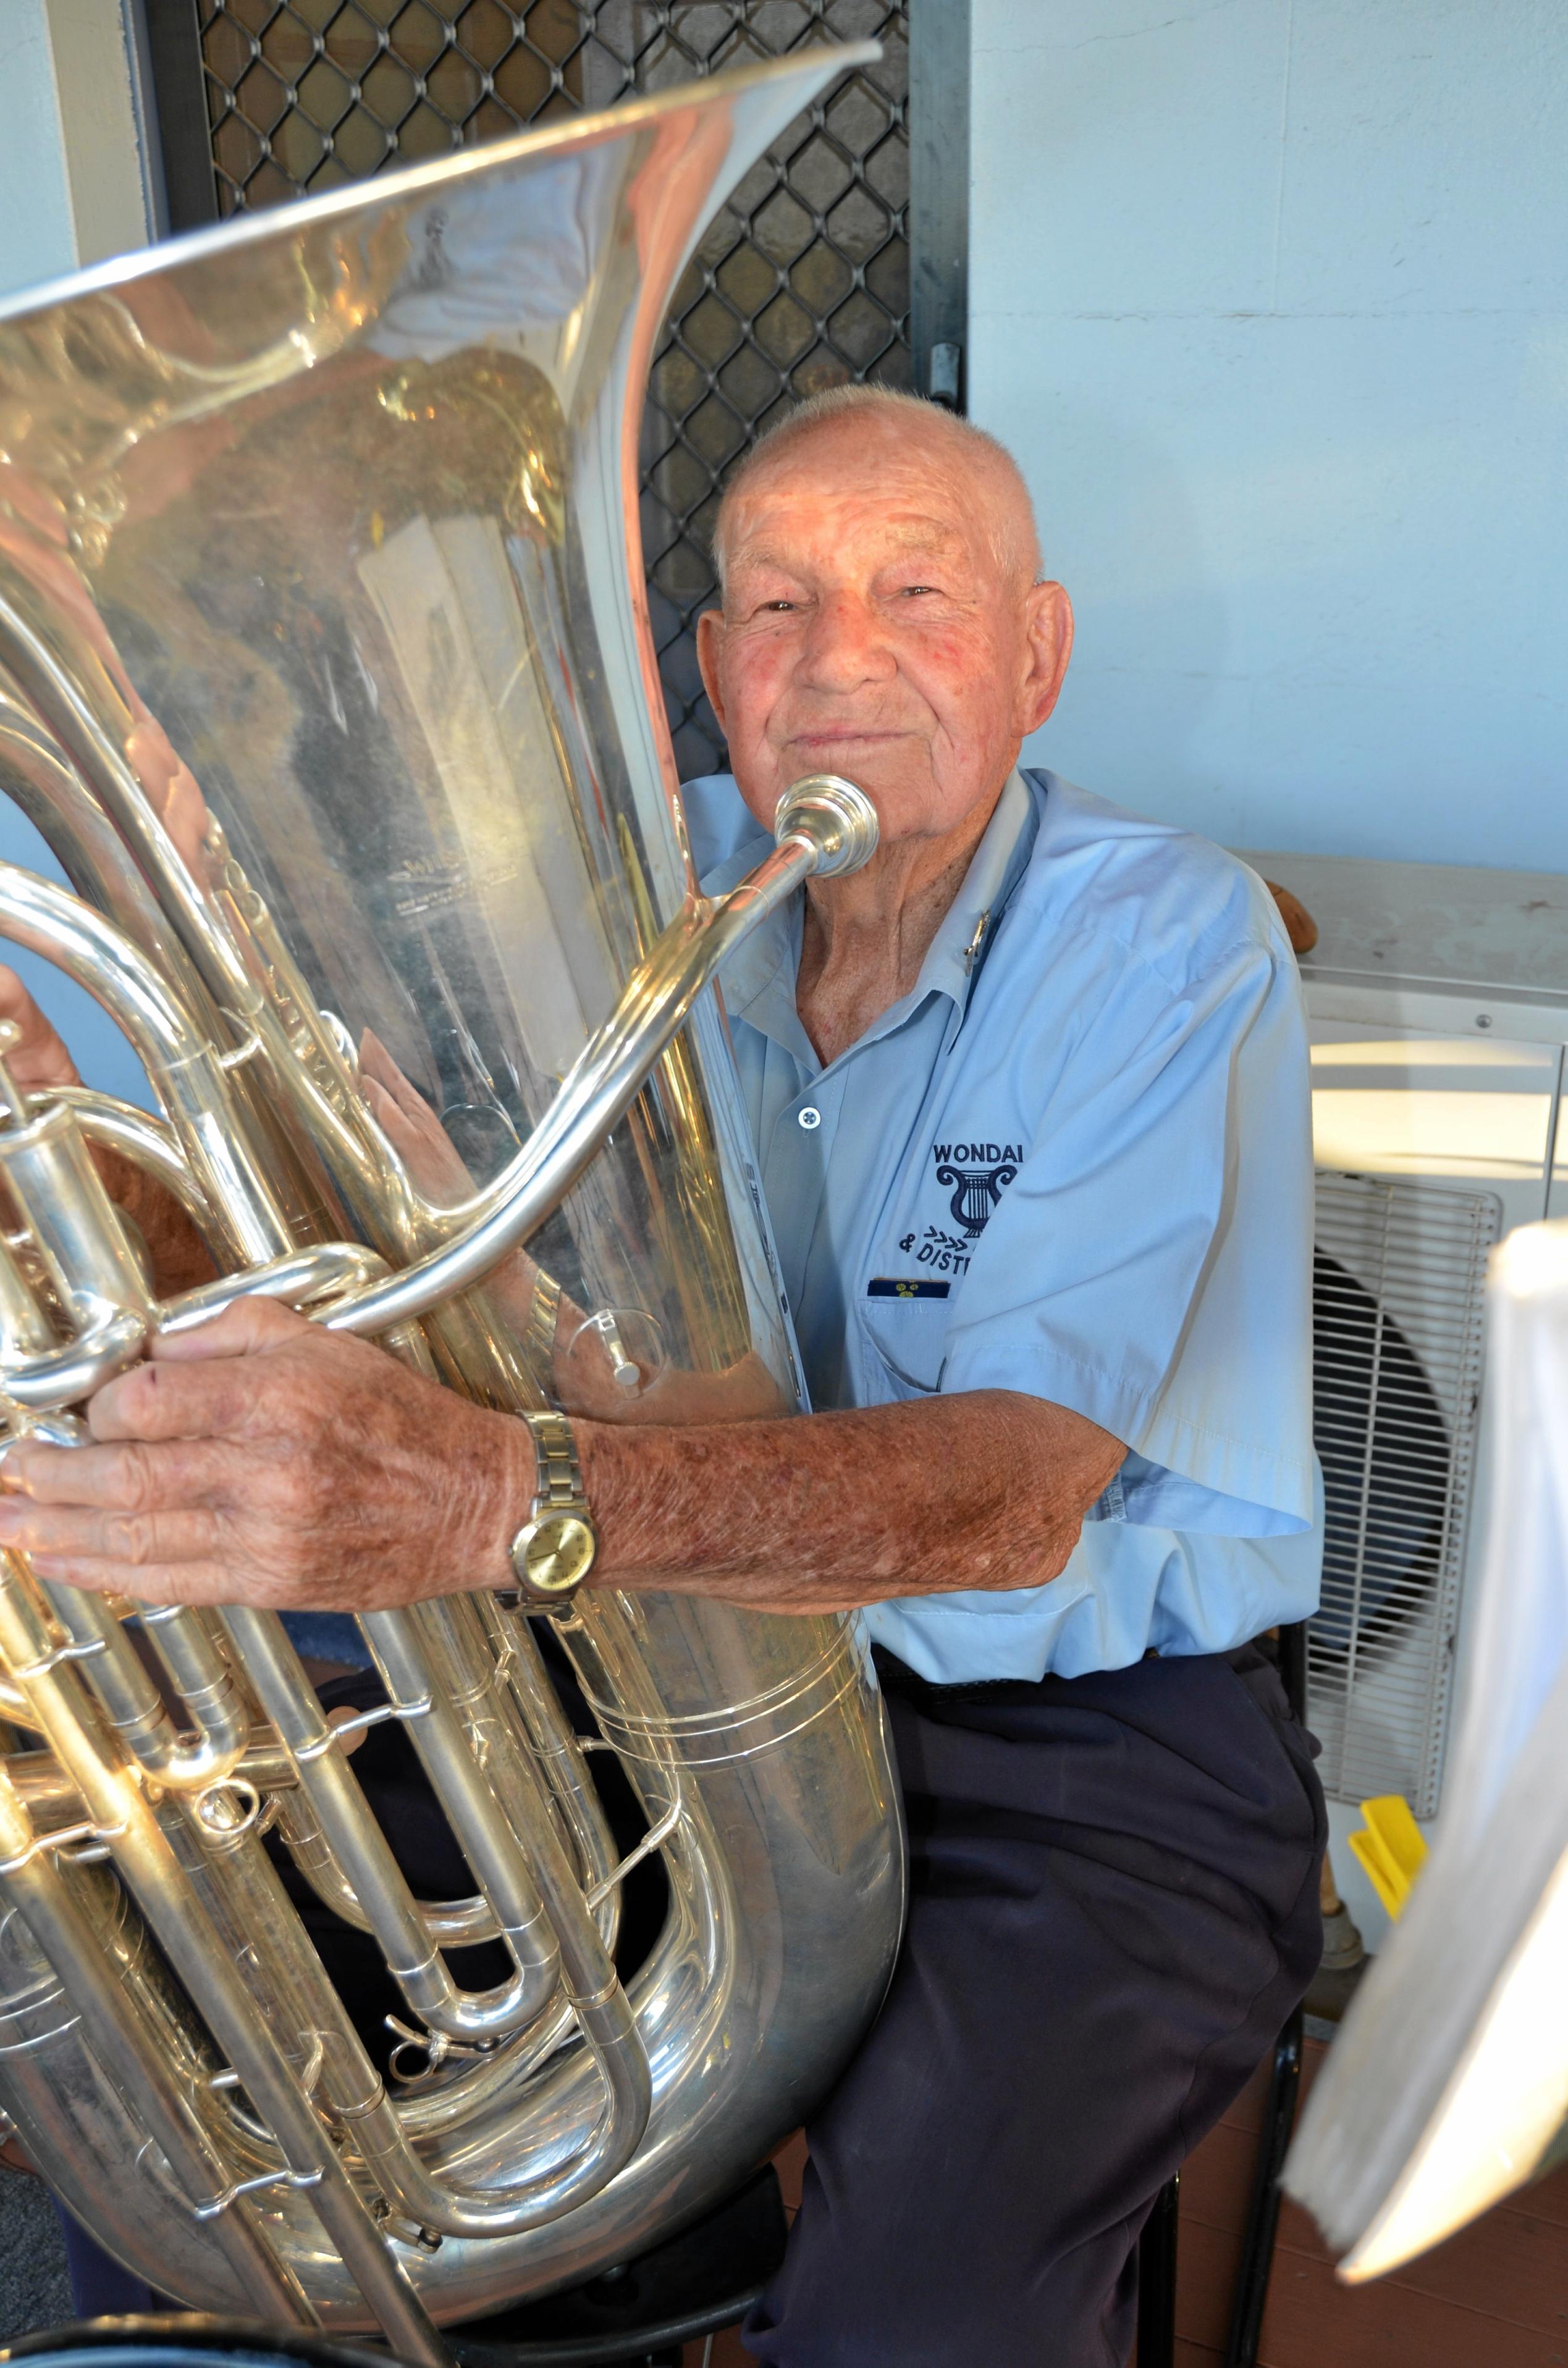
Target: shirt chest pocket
[[907, 1338]]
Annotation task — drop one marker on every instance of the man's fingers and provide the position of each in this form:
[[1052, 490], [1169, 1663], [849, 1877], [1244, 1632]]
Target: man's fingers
[[40, 1058], [132, 1541], [375, 1061], [377, 1064], [129, 1478], [387, 1113], [182, 1582], [209, 1382], [251, 1326], [168, 1402], [411, 1126], [173, 1403]]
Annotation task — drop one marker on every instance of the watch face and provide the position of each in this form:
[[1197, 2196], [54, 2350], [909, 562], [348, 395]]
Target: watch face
[[558, 1552]]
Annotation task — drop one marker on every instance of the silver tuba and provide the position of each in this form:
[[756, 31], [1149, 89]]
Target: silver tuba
[[325, 674]]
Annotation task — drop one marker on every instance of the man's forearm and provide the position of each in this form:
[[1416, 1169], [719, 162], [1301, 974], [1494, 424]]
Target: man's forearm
[[256, 1459], [822, 1512]]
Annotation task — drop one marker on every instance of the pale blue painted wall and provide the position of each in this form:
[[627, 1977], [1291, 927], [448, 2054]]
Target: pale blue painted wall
[[1271, 300], [37, 242]]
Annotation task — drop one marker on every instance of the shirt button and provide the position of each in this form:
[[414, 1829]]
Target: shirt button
[[810, 1118]]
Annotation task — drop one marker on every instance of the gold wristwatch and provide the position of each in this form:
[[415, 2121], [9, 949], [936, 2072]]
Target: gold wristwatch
[[553, 1552]]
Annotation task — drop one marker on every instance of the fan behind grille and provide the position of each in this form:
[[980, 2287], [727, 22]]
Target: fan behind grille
[[1399, 1278]]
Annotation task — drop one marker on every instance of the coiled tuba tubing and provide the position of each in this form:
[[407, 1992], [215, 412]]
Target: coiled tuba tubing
[[207, 2105]]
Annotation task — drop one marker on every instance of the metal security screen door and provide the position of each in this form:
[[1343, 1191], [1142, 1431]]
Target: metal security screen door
[[802, 282]]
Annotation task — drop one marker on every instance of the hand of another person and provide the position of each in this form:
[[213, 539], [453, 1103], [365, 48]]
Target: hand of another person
[[261, 1460]]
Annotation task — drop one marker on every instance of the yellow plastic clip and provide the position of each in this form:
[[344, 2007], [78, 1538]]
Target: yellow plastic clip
[[1391, 1849]]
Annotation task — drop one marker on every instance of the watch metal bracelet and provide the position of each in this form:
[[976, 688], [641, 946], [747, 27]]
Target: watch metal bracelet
[[553, 1552]]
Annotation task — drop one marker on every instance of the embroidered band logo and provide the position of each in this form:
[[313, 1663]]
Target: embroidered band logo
[[976, 1187], [948, 1253]]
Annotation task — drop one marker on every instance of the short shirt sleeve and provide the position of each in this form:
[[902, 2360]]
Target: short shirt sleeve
[[1150, 1265]]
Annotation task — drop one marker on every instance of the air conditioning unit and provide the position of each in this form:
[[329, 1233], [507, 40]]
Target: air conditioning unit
[[1439, 1008]]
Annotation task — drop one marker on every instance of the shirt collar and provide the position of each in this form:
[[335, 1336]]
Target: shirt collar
[[955, 954], [759, 978]]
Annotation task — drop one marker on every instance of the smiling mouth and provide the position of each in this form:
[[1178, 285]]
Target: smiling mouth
[[838, 737]]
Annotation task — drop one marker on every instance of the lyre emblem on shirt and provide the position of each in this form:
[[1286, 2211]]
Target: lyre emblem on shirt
[[975, 1189]]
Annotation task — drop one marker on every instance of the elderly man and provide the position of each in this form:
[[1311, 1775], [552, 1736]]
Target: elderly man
[[1029, 1099]]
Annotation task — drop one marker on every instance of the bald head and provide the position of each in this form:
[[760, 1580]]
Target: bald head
[[883, 617], [873, 421]]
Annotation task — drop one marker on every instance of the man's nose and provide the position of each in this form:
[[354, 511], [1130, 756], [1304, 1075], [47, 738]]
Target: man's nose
[[847, 644]]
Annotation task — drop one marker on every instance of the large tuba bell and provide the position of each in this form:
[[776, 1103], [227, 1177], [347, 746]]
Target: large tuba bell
[[326, 676]]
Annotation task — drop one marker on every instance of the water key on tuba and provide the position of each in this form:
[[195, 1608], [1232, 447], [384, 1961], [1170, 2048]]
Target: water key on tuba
[[325, 672]]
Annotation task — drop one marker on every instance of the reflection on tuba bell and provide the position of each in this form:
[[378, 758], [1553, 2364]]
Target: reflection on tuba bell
[[325, 672]]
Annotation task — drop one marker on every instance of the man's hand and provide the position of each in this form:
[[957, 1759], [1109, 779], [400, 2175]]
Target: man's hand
[[39, 1061], [412, 1127], [39, 1058], [258, 1459]]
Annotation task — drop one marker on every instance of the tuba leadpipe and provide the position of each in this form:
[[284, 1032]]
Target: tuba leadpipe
[[327, 674]]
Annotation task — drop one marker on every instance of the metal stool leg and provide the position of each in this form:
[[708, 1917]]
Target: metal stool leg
[[1158, 2279], [1292, 1651], [1280, 2113], [1263, 2215]]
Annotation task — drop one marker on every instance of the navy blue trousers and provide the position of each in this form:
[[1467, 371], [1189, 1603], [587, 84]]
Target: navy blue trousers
[[99, 2287], [1114, 1906]]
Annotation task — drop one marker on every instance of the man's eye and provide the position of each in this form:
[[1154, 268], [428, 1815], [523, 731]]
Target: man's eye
[[778, 607], [917, 591]]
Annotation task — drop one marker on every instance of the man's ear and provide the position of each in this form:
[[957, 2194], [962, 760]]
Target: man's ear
[[1048, 625], [710, 642]]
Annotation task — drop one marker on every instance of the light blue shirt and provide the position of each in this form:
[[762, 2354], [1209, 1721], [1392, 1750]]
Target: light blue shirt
[[1075, 1161]]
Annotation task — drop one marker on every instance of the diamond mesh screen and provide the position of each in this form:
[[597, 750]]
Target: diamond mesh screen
[[802, 282], [1399, 1280]]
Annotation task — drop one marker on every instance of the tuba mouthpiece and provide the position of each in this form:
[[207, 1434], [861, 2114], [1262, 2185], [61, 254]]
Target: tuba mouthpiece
[[832, 816]]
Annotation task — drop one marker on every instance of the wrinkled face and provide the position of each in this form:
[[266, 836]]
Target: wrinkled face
[[878, 622]]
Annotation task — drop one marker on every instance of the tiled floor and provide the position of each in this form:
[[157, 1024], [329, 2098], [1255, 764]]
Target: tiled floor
[[1495, 2296]]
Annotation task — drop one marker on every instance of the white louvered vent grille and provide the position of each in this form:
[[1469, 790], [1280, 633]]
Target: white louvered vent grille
[[1397, 1339]]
